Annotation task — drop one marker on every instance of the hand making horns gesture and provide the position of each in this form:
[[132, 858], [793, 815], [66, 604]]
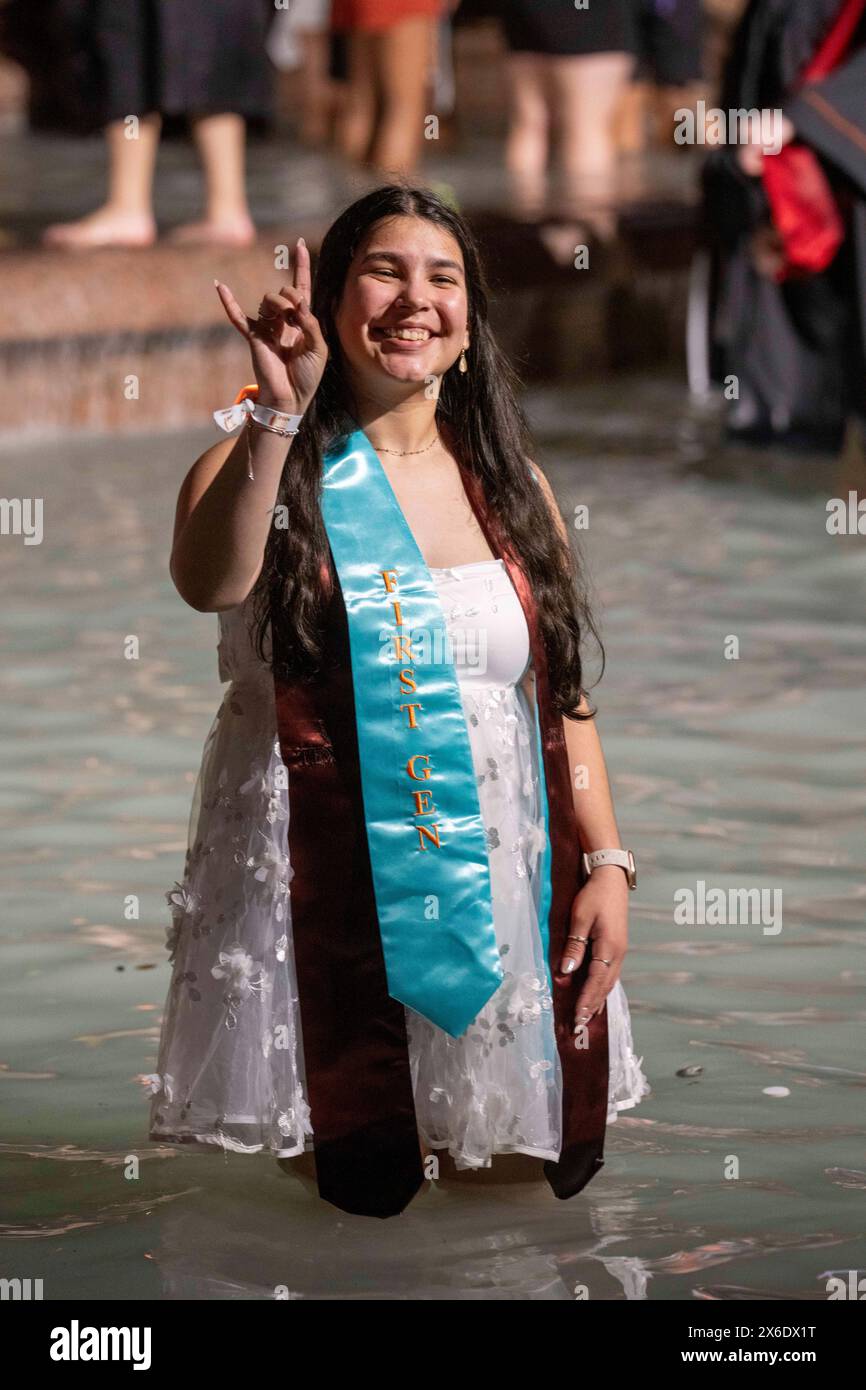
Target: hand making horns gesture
[[288, 350]]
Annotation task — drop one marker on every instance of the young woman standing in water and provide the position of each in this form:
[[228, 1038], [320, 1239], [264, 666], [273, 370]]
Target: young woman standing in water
[[387, 940]]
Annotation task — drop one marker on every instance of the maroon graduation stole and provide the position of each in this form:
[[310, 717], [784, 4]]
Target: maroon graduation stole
[[355, 1049]]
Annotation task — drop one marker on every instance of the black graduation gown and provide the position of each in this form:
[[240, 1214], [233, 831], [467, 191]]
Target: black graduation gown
[[557, 28], [797, 349], [94, 61], [185, 57]]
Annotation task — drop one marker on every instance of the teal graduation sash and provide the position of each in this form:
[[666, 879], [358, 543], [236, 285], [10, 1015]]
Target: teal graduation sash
[[426, 838]]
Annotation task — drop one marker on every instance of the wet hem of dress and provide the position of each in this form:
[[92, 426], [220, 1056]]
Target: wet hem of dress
[[220, 1141], [627, 1104], [551, 1154], [613, 1115]]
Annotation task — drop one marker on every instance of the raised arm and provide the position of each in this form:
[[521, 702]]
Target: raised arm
[[223, 515]]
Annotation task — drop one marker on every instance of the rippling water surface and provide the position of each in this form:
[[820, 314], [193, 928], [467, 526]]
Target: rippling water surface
[[740, 773]]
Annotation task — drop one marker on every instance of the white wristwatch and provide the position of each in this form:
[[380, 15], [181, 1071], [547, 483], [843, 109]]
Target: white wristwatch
[[623, 858]]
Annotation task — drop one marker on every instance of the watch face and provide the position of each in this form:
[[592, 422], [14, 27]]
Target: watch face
[[632, 871]]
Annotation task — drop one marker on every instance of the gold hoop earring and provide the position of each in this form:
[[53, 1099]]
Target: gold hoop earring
[[462, 364]]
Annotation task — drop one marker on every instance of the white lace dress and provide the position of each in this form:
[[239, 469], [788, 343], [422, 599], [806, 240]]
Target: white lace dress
[[231, 1068]]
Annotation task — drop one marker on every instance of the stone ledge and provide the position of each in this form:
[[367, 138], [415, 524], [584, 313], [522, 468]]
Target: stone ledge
[[79, 325], [68, 294]]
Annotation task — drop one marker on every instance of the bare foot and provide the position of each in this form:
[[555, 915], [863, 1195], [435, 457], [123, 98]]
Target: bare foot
[[105, 227], [234, 231]]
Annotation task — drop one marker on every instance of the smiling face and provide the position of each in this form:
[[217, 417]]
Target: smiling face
[[403, 315]]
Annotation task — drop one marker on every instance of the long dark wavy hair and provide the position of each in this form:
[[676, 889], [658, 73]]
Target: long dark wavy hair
[[487, 432]]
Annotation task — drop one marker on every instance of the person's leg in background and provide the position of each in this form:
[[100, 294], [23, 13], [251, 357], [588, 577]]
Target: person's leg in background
[[221, 144], [298, 40], [356, 119], [125, 47], [403, 54], [126, 217], [527, 145], [317, 95], [587, 91]]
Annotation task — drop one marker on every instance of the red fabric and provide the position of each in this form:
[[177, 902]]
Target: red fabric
[[837, 42], [373, 15], [802, 204], [804, 211], [355, 1049]]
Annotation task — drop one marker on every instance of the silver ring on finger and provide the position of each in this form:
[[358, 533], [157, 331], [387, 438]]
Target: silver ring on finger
[[583, 939], [602, 959]]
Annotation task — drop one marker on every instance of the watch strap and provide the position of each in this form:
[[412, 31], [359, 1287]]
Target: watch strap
[[622, 858]]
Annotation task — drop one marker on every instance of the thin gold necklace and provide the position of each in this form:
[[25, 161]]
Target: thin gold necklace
[[405, 452]]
